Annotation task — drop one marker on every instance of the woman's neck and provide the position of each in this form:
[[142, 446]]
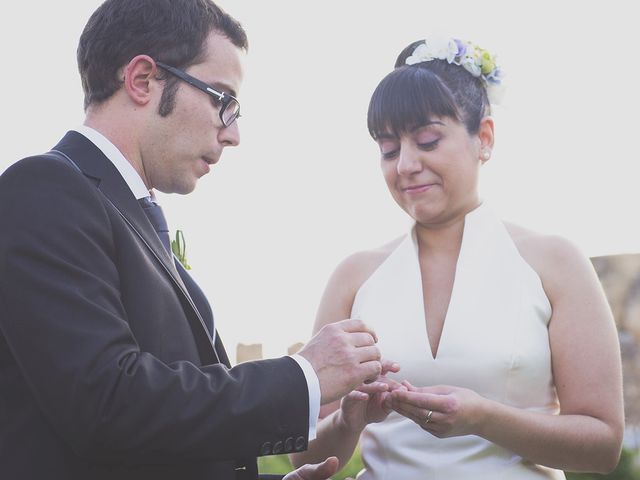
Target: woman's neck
[[443, 238]]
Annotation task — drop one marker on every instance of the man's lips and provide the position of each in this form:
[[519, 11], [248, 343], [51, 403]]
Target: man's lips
[[206, 165]]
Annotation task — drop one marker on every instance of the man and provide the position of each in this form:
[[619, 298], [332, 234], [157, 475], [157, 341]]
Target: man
[[109, 363]]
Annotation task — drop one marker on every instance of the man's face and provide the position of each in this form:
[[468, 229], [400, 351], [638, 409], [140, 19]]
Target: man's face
[[181, 147]]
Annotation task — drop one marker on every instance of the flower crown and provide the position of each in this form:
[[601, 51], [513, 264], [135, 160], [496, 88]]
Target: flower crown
[[475, 60]]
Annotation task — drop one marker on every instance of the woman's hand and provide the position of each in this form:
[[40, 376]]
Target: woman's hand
[[369, 403], [442, 410]]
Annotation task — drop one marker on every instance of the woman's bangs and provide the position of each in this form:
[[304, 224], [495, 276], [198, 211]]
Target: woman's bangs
[[407, 98]]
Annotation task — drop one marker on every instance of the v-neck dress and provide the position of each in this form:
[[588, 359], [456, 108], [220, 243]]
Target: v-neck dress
[[495, 341]]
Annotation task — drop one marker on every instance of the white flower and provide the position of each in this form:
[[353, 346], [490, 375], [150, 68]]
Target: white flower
[[471, 62], [452, 50], [420, 54], [465, 54], [442, 48], [434, 48]]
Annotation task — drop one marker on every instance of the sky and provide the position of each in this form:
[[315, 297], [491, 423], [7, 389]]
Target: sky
[[266, 228]]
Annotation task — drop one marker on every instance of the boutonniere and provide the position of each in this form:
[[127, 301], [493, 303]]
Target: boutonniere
[[179, 248]]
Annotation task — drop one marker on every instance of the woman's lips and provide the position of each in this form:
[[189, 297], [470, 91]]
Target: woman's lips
[[415, 189]]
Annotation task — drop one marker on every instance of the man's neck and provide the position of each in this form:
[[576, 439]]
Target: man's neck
[[122, 134]]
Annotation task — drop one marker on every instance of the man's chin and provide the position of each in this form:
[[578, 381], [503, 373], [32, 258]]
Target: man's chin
[[182, 188]]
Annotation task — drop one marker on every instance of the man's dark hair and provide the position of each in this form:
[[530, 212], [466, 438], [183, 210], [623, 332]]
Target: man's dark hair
[[169, 31], [412, 95]]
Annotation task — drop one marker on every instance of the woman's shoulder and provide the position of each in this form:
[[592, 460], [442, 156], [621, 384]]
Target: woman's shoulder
[[346, 280], [552, 257], [539, 246], [359, 266]]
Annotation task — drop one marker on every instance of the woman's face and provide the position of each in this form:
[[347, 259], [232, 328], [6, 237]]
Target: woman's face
[[432, 170]]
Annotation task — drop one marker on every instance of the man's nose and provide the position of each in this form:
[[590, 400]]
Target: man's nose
[[230, 136]]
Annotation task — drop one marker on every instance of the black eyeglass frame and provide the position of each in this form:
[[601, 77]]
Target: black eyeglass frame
[[224, 98]]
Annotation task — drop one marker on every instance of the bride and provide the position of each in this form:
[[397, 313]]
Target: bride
[[509, 353]]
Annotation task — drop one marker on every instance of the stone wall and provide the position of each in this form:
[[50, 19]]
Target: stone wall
[[620, 278]]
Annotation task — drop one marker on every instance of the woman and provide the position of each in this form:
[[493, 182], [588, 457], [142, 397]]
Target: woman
[[509, 353]]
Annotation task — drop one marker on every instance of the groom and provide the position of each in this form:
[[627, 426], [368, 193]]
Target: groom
[[110, 367]]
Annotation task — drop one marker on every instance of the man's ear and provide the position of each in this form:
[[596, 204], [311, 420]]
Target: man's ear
[[486, 136], [139, 75]]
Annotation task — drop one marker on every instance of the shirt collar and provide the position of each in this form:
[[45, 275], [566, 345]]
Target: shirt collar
[[126, 170]]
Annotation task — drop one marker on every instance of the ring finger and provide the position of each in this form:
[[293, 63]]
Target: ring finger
[[419, 415]]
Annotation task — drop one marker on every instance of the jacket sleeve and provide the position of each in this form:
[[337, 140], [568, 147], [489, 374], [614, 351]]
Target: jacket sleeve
[[63, 319]]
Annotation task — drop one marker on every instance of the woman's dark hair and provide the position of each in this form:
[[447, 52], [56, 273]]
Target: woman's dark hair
[[171, 31], [412, 95]]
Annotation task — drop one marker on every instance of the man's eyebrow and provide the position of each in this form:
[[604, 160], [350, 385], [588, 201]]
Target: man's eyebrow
[[224, 88]]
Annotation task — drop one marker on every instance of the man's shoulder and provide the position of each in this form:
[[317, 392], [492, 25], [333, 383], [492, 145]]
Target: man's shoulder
[[38, 166], [46, 184], [48, 172]]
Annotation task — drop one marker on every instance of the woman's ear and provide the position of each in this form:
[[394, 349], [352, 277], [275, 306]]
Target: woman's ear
[[486, 136]]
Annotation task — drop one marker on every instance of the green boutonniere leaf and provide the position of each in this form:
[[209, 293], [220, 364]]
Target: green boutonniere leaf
[[179, 247]]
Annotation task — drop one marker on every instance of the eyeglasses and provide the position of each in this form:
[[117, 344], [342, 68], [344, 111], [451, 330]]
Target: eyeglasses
[[228, 104]]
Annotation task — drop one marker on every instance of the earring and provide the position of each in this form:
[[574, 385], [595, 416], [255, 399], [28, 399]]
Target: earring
[[486, 154]]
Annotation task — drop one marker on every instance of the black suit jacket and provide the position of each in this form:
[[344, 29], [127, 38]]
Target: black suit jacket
[[106, 367]]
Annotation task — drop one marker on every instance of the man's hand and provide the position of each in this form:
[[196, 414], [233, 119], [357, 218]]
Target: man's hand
[[317, 471], [343, 355], [369, 403]]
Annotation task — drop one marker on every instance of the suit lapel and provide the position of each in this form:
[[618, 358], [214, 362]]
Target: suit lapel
[[93, 163], [220, 351]]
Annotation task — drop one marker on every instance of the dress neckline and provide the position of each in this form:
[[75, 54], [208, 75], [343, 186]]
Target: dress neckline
[[472, 223]]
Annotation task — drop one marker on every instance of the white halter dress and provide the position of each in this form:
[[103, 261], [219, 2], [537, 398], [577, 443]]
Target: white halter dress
[[495, 341]]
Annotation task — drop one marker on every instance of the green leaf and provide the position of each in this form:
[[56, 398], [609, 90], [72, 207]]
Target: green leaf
[[179, 248]]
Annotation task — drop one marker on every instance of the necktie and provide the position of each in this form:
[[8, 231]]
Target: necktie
[[153, 211]]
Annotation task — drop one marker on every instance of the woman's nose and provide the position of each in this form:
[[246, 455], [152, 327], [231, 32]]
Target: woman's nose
[[408, 161]]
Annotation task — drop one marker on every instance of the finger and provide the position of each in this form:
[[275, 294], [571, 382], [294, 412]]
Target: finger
[[408, 385], [390, 366], [361, 339], [419, 415], [373, 388], [319, 471], [427, 401], [438, 389], [368, 354], [357, 325], [369, 371], [386, 403], [393, 385], [357, 395], [413, 413]]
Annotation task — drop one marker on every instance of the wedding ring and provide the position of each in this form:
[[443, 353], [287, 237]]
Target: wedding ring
[[428, 417]]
